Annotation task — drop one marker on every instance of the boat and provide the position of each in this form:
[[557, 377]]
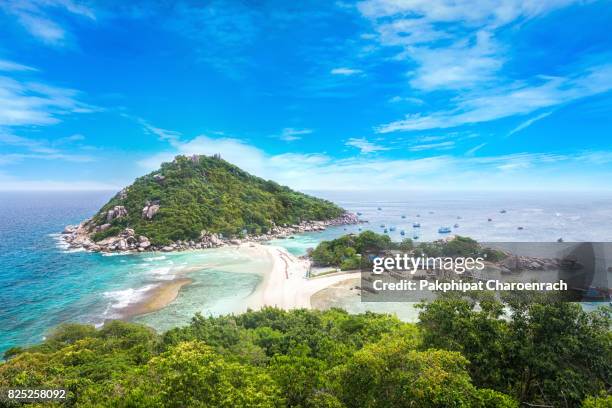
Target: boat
[[502, 211], [359, 229], [489, 219], [386, 232], [402, 232], [519, 228], [379, 208], [456, 226], [391, 228], [416, 225], [359, 213], [403, 216], [415, 237], [444, 230], [418, 215], [458, 217], [382, 225]]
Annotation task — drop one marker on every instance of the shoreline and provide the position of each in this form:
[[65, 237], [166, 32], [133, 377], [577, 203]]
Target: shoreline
[[157, 298], [284, 284], [78, 237]]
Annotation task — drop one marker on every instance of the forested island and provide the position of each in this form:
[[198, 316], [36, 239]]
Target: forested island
[[200, 202], [462, 353], [345, 252]]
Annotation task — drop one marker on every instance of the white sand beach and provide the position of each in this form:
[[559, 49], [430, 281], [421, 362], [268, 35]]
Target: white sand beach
[[286, 284]]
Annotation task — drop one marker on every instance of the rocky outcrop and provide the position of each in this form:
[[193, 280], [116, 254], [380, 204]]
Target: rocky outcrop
[[122, 195], [515, 263], [117, 211], [149, 210], [80, 236]]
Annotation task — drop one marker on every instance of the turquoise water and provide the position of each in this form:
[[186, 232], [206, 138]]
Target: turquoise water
[[43, 284]]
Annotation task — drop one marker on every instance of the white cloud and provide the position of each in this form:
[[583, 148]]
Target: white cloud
[[458, 66], [529, 122], [491, 12], [25, 103], [345, 71], [408, 99], [364, 145], [452, 42], [456, 45], [6, 65], [432, 146], [516, 99], [33, 16], [31, 145], [10, 184], [161, 133], [474, 149], [321, 172], [291, 134], [12, 158], [73, 138]]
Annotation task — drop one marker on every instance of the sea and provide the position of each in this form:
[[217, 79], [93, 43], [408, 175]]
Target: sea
[[43, 283]]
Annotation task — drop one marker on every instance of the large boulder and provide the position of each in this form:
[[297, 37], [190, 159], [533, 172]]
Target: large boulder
[[121, 245], [149, 211], [117, 211], [103, 227]]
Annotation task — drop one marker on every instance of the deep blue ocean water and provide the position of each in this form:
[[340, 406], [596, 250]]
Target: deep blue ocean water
[[42, 284]]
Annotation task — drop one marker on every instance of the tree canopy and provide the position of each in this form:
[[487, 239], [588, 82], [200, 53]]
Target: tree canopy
[[464, 352]]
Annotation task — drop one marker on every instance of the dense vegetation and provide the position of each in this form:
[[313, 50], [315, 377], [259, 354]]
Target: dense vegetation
[[461, 354], [208, 193], [345, 252]]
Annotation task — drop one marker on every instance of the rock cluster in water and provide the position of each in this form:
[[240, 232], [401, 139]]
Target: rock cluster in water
[[79, 236], [515, 263]]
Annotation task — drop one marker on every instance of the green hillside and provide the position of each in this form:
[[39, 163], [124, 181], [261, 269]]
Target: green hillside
[[192, 194]]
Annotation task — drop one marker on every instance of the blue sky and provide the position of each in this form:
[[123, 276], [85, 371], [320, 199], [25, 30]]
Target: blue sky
[[377, 94]]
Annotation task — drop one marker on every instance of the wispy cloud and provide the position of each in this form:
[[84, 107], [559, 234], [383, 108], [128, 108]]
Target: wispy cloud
[[365, 146], [12, 158], [31, 145], [529, 122], [8, 66], [35, 17], [458, 47], [515, 99], [292, 134], [161, 133], [345, 71], [432, 146], [474, 149], [407, 99], [8, 183], [452, 42], [25, 103], [34, 149]]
